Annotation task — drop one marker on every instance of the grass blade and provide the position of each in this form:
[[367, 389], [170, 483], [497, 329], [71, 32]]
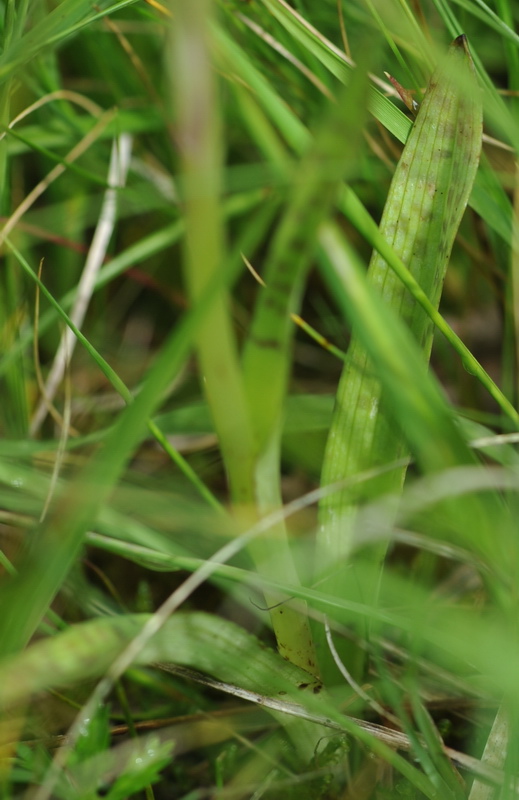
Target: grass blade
[[426, 201]]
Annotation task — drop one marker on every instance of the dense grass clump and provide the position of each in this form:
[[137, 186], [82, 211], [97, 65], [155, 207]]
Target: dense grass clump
[[226, 570]]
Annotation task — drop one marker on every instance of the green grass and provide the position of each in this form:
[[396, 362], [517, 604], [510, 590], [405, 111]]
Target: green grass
[[163, 594]]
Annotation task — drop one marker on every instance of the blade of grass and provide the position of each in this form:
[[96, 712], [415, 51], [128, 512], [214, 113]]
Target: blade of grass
[[199, 137], [427, 198], [119, 163], [493, 754], [266, 357], [316, 184]]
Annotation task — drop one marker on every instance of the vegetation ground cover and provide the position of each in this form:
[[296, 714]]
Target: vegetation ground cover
[[201, 596]]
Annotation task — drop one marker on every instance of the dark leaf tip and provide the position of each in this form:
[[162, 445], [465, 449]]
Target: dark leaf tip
[[460, 41]]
